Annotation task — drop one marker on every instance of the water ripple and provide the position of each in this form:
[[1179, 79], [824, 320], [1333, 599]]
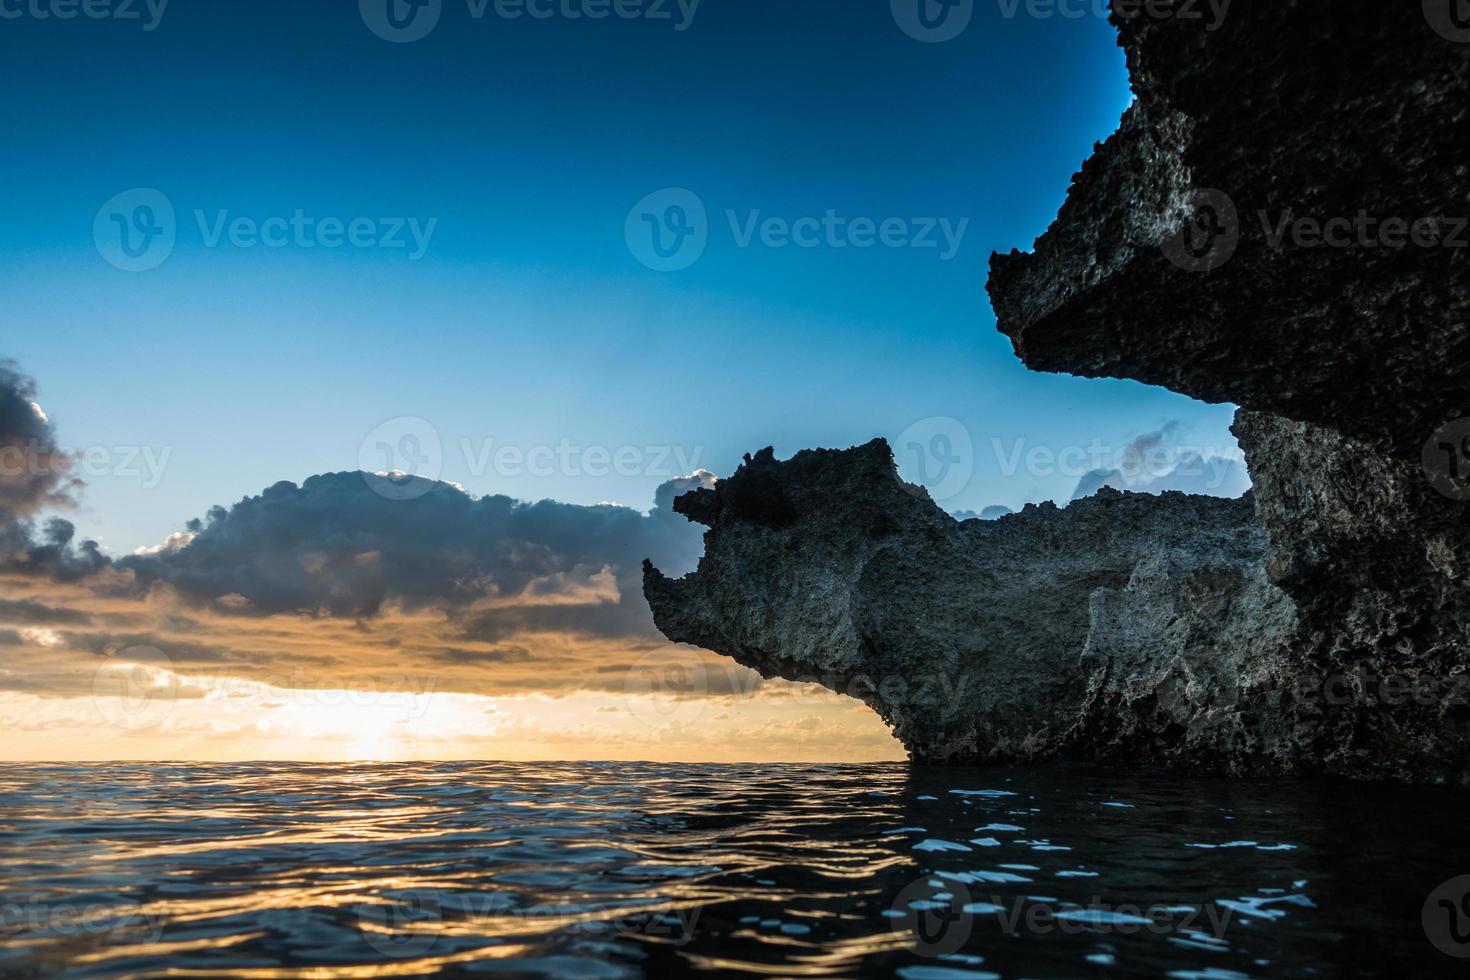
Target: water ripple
[[626, 870]]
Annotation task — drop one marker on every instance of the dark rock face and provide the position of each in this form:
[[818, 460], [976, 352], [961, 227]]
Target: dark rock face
[[1375, 560], [1161, 265], [1126, 628], [1049, 632], [1319, 625]]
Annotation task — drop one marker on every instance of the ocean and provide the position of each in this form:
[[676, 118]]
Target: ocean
[[597, 870]]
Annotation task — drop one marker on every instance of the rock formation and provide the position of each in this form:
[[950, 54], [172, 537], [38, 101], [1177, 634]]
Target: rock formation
[[987, 641], [1321, 623], [1292, 119]]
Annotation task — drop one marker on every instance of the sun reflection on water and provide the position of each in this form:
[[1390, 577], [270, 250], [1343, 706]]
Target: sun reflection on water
[[624, 870]]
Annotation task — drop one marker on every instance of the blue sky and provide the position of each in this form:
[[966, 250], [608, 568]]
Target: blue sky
[[528, 321]]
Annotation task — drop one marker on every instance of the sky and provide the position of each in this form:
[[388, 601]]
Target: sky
[[538, 255]]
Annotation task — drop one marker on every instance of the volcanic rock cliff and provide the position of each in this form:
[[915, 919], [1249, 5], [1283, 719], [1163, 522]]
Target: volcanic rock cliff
[[1321, 623]]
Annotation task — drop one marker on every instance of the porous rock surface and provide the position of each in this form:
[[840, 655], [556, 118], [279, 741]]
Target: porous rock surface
[[1161, 265], [1318, 625], [1375, 561], [1346, 358], [1128, 629], [987, 641]]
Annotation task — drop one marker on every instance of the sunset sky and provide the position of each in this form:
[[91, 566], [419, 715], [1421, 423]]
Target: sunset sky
[[486, 317]]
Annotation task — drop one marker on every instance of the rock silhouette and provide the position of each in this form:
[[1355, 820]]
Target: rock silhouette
[[1274, 224]]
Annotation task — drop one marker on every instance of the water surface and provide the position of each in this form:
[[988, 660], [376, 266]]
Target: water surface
[[627, 870]]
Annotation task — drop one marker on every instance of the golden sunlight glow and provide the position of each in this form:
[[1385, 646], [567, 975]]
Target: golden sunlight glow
[[144, 710]]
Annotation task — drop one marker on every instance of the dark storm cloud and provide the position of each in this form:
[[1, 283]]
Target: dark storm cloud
[[335, 546], [35, 473], [53, 551], [183, 653], [28, 612], [501, 655], [328, 582]]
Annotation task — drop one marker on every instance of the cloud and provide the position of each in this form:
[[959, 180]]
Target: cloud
[[992, 513], [1152, 464], [336, 547], [34, 471], [36, 474], [55, 552], [35, 612], [331, 583], [240, 631]]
